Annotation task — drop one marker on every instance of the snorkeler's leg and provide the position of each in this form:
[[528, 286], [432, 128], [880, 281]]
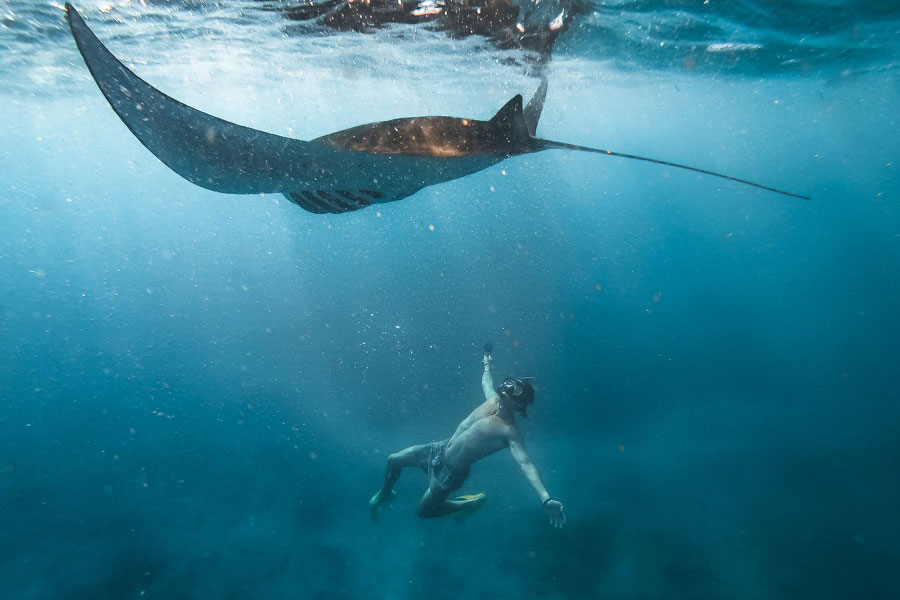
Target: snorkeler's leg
[[414, 456]]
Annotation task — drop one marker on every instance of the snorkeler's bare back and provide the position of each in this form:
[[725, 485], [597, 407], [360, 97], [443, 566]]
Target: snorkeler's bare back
[[480, 434]]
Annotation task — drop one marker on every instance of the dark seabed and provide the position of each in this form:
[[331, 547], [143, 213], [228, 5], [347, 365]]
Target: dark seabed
[[199, 390]]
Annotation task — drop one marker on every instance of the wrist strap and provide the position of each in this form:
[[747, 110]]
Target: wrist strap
[[544, 503]]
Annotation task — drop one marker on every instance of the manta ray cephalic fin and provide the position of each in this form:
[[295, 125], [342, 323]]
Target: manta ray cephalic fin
[[535, 107]]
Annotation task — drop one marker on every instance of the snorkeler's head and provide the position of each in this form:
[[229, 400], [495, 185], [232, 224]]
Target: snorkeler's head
[[519, 392]]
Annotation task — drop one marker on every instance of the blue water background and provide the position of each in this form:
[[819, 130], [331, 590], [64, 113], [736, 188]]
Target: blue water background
[[199, 390]]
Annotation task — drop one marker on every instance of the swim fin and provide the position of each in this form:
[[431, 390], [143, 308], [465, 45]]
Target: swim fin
[[467, 504], [376, 501]]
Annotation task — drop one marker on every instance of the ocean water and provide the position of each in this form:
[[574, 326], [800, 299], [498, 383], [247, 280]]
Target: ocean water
[[199, 390]]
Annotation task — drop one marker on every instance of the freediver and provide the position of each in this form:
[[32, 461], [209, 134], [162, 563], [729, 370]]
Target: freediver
[[489, 428]]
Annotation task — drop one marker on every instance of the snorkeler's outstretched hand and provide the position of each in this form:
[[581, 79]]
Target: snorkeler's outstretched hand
[[488, 359], [554, 510]]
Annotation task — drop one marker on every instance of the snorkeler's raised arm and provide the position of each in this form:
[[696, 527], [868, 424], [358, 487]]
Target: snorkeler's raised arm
[[487, 378], [554, 508]]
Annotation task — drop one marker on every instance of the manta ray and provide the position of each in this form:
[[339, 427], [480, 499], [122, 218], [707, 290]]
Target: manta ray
[[336, 173]]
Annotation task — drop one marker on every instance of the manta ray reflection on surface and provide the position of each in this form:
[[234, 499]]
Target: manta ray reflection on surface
[[530, 25], [336, 173]]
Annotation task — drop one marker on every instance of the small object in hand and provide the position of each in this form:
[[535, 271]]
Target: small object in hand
[[488, 348]]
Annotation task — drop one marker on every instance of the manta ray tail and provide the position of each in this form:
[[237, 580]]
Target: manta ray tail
[[561, 145]]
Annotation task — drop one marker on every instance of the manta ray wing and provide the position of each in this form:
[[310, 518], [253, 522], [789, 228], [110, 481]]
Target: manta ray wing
[[208, 151], [225, 157]]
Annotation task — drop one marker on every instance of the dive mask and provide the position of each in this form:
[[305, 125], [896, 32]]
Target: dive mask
[[512, 387]]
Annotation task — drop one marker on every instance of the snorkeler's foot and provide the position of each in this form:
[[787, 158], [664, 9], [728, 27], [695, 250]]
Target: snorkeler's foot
[[377, 500], [468, 504]]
